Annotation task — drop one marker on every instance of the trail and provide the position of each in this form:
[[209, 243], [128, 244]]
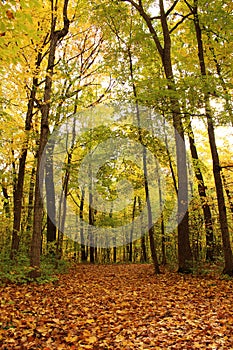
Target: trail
[[118, 307]]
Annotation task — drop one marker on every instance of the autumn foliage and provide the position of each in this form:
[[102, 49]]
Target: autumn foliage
[[118, 307]]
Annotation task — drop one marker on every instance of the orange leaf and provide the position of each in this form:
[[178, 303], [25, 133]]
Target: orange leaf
[[10, 14]]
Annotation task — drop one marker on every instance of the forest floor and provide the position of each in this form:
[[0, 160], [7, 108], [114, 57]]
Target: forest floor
[[118, 307]]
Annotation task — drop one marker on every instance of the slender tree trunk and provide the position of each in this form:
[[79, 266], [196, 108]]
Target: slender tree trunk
[[29, 218], [114, 254], [170, 159], [202, 194], [184, 249], [81, 215], [19, 186], [62, 213], [131, 232], [145, 172], [91, 219], [163, 238], [50, 195], [64, 193], [6, 204], [143, 240], [228, 257], [228, 193], [55, 36]]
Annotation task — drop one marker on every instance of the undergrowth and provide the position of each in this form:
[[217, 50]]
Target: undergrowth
[[17, 271]]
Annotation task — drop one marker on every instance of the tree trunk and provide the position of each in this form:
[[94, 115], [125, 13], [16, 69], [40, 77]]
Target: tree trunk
[[64, 192], [6, 204], [228, 257], [55, 36], [202, 194], [83, 251], [184, 249], [19, 186], [91, 219], [145, 173], [62, 212], [170, 159], [131, 232], [50, 195], [163, 238], [228, 193], [29, 219]]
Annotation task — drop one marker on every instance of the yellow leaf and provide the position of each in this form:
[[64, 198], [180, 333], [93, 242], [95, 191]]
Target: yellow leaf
[[71, 339], [92, 339], [90, 320]]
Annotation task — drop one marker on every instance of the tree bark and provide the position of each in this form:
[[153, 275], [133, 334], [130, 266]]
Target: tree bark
[[228, 193], [6, 204], [81, 215], [19, 186], [228, 257], [55, 36], [145, 173], [202, 194], [50, 195], [91, 219], [184, 249], [131, 232]]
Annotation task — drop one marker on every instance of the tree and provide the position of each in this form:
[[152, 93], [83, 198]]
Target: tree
[[228, 269], [55, 37], [203, 197], [184, 250]]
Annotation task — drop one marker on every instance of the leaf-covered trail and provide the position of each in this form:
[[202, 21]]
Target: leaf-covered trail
[[118, 307]]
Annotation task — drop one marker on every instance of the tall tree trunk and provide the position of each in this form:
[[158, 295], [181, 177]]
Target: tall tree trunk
[[81, 215], [6, 204], [170, 158], [145, 172], [55, 36], [50, 195], [184, 249], [131, 231], [143, 240], [62, 214], [91, 219], [228, 193], [19, 186], [29, 219], [202, 194], [228, 257], [114, 254], [64, 192], [163, 238]]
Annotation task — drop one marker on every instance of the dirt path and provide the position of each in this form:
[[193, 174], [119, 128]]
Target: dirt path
[[118, 307]]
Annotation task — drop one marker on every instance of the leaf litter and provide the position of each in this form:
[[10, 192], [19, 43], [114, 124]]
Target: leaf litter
[[118, 307]]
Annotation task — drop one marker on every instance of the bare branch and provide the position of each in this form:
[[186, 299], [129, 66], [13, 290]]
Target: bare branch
[[156, 17], [180, 22], [189, 6], [172, 8]]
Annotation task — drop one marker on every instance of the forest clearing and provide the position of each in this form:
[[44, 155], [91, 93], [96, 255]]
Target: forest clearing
[[116, 174], [118, 307]]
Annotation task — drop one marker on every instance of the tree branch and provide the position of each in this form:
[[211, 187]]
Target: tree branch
[[172, 8], [148, 21], [189, 6], [180, 22], [66, 23]]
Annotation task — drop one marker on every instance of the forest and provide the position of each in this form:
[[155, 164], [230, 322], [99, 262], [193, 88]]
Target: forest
[[116, 170]]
